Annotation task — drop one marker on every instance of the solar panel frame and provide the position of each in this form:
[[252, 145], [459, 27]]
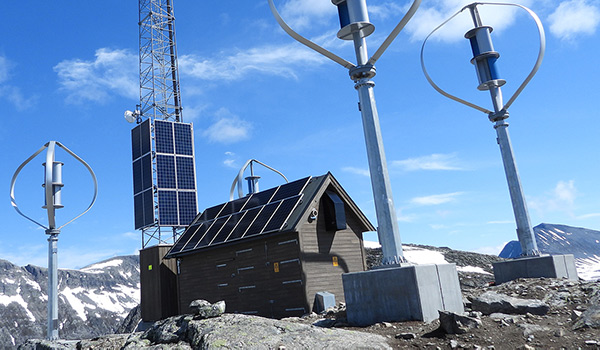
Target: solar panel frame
[[168, 208], [262, 219], [185, 174], [188, 207], [281, 215], [165, 171], [290, 189]]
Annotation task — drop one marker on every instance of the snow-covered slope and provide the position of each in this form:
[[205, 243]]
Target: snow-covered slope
[[583, 243], [92, 301]]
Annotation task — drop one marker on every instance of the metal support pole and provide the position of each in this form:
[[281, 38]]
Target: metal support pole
[[387, 230], [387, 221], [525, 232], [52, 284]]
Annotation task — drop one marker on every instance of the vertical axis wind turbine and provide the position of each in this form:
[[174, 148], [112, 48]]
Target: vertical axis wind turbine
[[164, 176], [355, 27], [53, 200], [484, 60]]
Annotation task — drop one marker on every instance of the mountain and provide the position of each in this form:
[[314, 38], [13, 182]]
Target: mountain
[[583, 243], [92, 301]]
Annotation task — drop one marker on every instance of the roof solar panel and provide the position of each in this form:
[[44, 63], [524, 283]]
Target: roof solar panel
[[261, 220], [290, 189], [233, 221], [234, 206], [184, 238], [197, 235], [245, 221], [212, 231], [260, 198], [282, 214], [212, 212]]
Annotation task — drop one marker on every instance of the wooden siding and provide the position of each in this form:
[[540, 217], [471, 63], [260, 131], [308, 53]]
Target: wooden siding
[[261, 277], [158, 281], [322, 250]]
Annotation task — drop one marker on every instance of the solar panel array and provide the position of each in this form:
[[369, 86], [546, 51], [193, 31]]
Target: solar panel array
[[259, 213], [143, 196], [166, 178], [175, 173]]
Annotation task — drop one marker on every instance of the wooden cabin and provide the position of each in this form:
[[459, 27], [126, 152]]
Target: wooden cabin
[[270, 252]]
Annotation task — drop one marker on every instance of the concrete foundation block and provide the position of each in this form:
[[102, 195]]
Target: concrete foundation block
[[323, 301], [550, 266], [401, 294]]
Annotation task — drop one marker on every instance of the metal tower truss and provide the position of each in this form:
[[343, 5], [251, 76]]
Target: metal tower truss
[[159, 77]]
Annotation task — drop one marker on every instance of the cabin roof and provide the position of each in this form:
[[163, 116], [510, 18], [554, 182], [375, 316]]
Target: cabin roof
[[271, 211]]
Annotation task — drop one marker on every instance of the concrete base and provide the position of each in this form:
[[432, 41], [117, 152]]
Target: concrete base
[[551, 266], [401, 294]]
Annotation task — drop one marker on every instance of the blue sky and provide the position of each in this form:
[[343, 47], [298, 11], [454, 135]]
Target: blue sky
[[68, 71]]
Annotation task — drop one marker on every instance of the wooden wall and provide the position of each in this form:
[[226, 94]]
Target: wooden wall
[[158, 281], [326, 255], [260, 277]]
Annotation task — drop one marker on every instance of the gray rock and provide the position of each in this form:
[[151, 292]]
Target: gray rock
[[590, 318], [242, 332], [203, 309], [406, 336], [453, 323], [530, 329], [39, 344], [491, 302]]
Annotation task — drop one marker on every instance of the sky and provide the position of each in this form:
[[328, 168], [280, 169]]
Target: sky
[[69, 70]]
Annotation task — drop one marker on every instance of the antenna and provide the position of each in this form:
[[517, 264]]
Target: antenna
[[484, 60], [52, 201]]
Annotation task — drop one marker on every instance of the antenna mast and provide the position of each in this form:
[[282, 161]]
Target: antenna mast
[[159, 77], [164, 176]]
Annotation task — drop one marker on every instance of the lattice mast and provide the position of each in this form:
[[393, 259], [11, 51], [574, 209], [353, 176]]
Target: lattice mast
[[160, 204], [160, 96]]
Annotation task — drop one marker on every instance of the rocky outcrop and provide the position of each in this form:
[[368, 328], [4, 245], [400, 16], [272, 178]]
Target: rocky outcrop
[[231, 331], [491, 302]]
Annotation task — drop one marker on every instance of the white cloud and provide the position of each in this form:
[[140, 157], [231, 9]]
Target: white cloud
[[357, 171], [231, 161], [431, 162], [436, 199], [273, 60], [11, 93], [560, 199], [429, 16], [490, 250], [574, 17], [228, 128], [111, 72], [300, 14]]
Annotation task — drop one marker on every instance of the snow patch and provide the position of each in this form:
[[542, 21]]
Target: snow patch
[[475, 269], [422, 256], [371, 244], [9, 299], [103, 265]]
